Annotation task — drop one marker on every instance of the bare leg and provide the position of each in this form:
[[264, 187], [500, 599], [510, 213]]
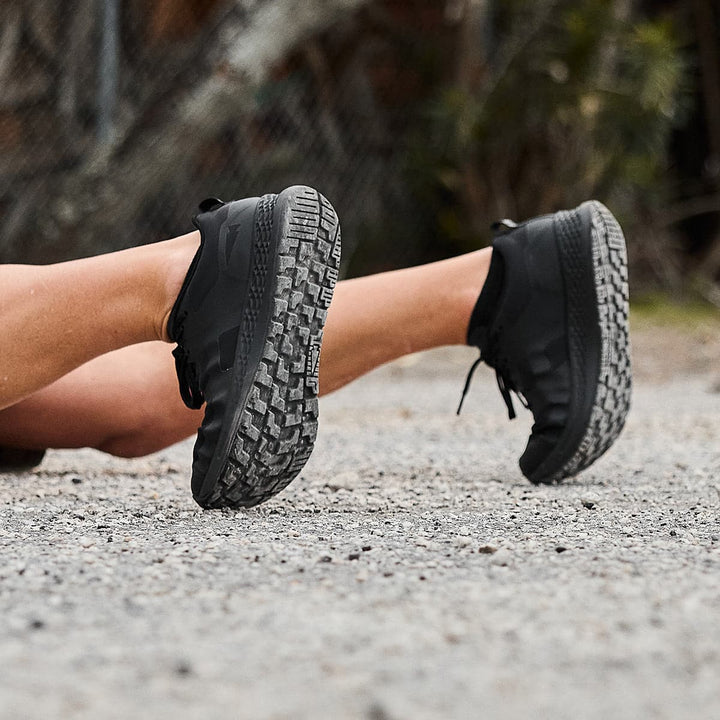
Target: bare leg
[[127, 403], [378, 318], [54, 318]]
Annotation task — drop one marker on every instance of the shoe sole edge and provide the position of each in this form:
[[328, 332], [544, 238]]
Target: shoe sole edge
[[612, 393]]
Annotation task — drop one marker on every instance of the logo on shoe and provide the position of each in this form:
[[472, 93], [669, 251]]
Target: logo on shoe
[[312, 362]]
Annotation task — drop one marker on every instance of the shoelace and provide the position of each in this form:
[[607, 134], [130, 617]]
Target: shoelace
[[188, 379], [504, 385], [501, 373]]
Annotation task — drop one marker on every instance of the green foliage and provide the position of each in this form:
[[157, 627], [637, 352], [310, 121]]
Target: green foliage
[[572, 102], [655, 309]]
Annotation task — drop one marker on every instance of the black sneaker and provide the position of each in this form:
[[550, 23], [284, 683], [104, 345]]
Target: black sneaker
[[552, 320], [18, 460], [248, 323]]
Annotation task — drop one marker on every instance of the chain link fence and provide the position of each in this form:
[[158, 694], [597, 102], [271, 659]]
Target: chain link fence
[[118, 116], [421, 120]]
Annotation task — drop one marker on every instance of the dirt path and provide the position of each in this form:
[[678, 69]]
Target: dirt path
[[410, 573]]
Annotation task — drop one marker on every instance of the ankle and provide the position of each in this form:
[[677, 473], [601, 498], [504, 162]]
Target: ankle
[[468, 291], [176, 260], [486, 304]]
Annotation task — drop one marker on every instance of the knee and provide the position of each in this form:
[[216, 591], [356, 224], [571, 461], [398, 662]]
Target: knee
[[148, 422], [130, 446], [142, 435]]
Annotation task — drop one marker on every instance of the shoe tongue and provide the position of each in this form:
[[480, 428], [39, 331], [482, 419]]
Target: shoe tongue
[[486, 306]]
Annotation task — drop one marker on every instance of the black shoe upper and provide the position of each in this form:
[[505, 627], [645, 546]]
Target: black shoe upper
[[519, 325], [206, 319]]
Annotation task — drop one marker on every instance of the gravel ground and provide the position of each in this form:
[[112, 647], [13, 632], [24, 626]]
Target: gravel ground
[[411, 572]]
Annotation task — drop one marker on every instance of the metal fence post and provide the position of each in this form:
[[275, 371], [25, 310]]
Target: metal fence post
[[108, 69]]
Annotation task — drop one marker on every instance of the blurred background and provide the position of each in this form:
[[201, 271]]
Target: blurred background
[[422, 121]]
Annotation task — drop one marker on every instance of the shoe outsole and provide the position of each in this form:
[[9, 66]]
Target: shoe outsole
[[610, 383], [277, 422]]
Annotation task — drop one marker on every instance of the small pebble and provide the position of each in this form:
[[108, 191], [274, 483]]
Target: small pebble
[[347, 480], [501, 558], [183, 669]]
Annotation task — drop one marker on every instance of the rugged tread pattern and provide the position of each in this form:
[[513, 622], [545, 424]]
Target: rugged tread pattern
[[614, 387], [278, 425]]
